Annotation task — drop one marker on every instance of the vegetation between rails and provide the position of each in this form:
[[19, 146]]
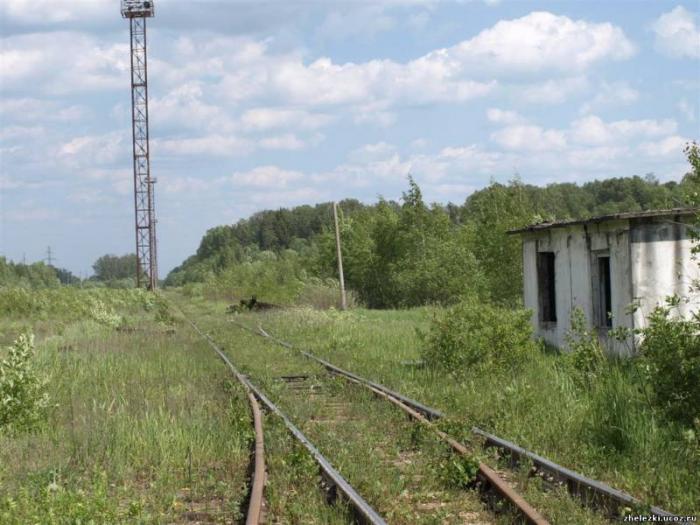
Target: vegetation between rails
[[598, 420], [133, 421]]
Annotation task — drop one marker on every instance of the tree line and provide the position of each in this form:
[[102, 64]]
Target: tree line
[[112, 270], [409, 253]]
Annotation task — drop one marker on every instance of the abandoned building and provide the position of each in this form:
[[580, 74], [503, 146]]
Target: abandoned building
[[603, 265]]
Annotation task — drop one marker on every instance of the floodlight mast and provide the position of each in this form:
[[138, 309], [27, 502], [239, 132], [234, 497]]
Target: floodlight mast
[[144, 205]]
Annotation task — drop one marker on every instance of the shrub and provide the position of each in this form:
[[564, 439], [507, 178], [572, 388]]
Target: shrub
[[460, 471], [473, 334], [586, 352], [23, 397], [670, 354]]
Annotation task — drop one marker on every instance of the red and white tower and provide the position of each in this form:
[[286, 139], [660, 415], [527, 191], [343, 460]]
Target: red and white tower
[[144, 206]]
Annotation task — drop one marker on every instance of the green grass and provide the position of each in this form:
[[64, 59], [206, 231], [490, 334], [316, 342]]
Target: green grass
[[605, 430], [147, 427], [371, 443], [400, 468]]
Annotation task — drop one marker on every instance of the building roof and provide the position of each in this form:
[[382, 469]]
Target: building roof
[[603, 218]]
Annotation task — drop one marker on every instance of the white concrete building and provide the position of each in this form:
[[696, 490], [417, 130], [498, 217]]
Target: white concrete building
[[603, 265]]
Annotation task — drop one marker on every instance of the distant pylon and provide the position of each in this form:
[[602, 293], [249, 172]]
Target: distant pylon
[[144, 204], [49, 256]]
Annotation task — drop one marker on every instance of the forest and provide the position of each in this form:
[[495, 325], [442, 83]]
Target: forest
[[408, 253]]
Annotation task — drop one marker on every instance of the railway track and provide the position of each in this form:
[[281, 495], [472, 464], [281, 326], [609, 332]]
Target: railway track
[[489, 479], [593, 493], [363, 512]]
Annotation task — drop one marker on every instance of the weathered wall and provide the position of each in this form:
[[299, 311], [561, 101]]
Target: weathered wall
[[574, 247], [662, 265]]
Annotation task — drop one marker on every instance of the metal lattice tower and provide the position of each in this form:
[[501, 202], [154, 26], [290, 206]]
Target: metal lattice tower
[[144, 206]]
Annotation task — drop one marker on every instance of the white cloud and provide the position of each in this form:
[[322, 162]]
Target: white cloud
[[183, 107], [666, 147], [374, 151], [593, 130], [50, 12], [62, 62], [543, 41], [529, 138], [26, 109], [552, 91], [614, 94], [502, 116], [271, 118], [185, 184], [677, 34], [92, 150], [288, 141], [12, 133], [214, 144], [292, 197], [419, 143], [249, 71], [271, 177]]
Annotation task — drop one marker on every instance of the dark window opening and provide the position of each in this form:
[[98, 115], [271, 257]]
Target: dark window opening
[[546, 288], [605, 294]]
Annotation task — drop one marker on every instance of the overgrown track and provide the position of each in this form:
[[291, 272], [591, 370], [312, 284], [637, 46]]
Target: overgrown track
[[488, 477], [256, 497], [593, 493], [363, 511]]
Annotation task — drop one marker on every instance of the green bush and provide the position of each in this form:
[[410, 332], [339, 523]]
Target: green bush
[[473, 334], [68, 302], [670, 354], [586, 354], [23, 398]]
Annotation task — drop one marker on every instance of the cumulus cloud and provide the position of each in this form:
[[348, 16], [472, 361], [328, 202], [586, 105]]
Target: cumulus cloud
[[593, 130], [666, 147], [542, 41], [184, 107], [247, 70], [611, 94], [373, 151], [90, 150], [529, 138], [61, 63], [51, 12], [213, 144], [288, 141], [677, 33], [263, 118], [266, 176], [552, 91], [28, 109], [502, 116]]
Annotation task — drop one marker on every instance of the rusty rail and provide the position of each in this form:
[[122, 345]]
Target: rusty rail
[[486, 474], [364, 512], [256, 500], [255, 505], [587, 489], [416, 410]]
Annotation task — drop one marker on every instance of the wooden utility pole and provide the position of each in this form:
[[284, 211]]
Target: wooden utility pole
[[343, 301]]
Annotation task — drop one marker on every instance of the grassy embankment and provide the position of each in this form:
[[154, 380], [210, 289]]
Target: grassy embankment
[[606, 430], [145, 425], [415, 482]]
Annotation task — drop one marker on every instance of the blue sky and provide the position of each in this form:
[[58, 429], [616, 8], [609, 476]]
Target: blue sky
[[258, 105]]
